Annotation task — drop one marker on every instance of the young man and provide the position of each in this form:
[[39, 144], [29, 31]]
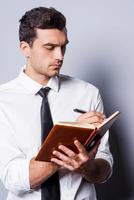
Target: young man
[[43, 40]]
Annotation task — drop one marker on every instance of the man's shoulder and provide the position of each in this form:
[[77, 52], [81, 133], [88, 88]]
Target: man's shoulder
[[76, 82], [8, 86]]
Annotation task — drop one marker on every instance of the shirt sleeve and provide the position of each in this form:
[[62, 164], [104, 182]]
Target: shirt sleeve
[[14, 167]]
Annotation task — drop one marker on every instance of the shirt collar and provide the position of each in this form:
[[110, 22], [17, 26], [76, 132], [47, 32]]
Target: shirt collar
[[33, 86]]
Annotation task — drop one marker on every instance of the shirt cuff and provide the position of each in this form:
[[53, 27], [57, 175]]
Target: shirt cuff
[[109, 159], [16, 176], [25, 175]]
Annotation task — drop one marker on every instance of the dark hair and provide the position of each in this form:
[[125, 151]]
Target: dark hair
[[42, 18]]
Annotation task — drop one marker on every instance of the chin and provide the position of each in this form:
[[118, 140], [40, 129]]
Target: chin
[[55, 73]]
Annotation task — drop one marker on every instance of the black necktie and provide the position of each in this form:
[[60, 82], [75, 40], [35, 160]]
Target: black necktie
[[50, 188]]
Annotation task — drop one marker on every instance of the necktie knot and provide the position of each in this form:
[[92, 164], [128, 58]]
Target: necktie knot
[[43, 92]]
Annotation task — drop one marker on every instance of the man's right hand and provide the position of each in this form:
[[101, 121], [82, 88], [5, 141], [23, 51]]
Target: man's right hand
[[92, 117]]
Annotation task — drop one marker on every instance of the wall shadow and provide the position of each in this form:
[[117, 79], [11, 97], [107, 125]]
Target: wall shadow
[[119, 186]]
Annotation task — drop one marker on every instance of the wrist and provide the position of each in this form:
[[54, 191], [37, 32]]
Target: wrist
[[97, 171], [89, 169]]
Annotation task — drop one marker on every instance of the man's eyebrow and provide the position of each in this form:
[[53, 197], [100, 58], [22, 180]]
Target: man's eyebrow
[[54, 44]]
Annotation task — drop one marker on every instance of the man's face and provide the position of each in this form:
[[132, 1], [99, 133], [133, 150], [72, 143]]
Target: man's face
[[46, 55]]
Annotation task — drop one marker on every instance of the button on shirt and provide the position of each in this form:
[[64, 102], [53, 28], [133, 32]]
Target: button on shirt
[[20, 132]]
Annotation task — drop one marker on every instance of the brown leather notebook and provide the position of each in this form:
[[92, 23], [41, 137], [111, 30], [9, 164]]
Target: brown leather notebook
[[66, 132]]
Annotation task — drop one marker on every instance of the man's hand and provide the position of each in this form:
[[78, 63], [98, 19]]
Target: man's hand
[[92, 117], [74, 161]]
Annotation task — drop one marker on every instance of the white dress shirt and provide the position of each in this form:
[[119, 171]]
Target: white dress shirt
[[20, 132]]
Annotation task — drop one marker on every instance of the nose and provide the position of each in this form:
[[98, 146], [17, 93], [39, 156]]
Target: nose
[[59, 55]]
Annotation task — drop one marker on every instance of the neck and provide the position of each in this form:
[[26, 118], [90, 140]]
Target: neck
[[39, 78]]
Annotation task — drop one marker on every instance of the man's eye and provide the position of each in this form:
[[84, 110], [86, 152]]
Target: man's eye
[[49, 47]]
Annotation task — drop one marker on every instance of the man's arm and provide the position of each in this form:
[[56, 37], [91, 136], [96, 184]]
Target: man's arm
[[40, 171], [98, 172]]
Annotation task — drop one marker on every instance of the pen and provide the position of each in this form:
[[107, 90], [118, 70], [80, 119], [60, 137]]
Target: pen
[[79, 111]]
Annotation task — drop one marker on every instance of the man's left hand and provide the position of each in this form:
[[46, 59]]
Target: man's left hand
[[74, 161]]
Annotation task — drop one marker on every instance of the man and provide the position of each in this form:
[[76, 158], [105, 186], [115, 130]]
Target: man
[[43, 40]]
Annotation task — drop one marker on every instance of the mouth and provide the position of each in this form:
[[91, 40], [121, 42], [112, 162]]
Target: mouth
[[56, 66]]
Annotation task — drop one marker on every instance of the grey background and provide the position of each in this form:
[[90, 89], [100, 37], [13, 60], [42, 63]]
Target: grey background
[[101, 51]]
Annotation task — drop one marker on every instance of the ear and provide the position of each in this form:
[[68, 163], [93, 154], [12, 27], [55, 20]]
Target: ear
[[25, 49]]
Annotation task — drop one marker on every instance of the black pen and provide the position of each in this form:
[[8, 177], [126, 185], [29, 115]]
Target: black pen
[[79, 111]]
